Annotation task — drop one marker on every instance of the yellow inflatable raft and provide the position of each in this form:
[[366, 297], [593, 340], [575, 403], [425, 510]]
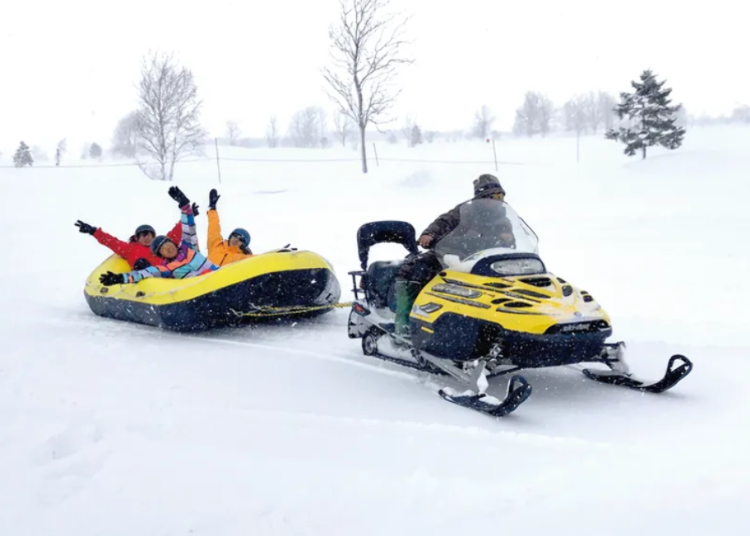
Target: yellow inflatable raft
[[279, 283]]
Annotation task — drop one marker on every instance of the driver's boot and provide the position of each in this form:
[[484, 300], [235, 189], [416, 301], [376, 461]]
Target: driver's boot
[[406, 293]]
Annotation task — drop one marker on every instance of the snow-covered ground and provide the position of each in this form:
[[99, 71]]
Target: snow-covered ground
[[108, 428]]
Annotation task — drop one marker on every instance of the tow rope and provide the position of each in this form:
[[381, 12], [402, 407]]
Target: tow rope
[[281, 311]]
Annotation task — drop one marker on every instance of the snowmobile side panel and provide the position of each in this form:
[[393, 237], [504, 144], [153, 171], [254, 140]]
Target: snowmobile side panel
[[516, 303], [463, 338]]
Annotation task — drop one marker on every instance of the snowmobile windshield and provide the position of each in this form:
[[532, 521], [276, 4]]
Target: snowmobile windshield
[[487, 224]]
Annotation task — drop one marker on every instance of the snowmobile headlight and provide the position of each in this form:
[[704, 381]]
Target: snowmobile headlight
[[507, 267], [455, 290]]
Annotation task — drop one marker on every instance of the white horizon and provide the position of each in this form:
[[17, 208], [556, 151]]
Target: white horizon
[[71, 69]]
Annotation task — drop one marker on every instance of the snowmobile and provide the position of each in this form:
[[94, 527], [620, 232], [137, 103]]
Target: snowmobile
[[493, 310]]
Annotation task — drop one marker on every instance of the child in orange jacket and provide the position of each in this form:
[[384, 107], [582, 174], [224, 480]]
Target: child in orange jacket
[[222, 252]]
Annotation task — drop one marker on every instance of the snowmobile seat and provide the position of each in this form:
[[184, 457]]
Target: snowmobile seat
[[379, 283], [378, 232]]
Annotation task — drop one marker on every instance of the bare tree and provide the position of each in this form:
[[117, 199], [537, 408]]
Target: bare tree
[[233, 132], [366, 44], [344, 126], [535, 115], [406, 129], [429, 136], [272, 132], [125, 137], [527, 115], [307, 127], [62, 146], [575, 117], [741, 114], [168, 116], [483, 121], [592, 111], [546, 113], [606, 104], [322, 127]]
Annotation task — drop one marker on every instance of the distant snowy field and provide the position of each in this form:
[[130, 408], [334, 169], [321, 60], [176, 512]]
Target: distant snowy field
[[117, 429]]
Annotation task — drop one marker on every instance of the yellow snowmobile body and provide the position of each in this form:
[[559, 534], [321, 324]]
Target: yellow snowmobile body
[[537, 320]]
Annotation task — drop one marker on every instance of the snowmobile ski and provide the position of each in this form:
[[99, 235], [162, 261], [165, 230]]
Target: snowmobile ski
[[671, 377], [517, 393]]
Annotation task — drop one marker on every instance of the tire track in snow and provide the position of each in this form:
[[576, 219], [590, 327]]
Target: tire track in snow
[[317, 355], [318, 421], [341, 358]]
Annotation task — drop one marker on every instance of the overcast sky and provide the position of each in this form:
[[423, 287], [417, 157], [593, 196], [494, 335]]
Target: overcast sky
[[69, 68]]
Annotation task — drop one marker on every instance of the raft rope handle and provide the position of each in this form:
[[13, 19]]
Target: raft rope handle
[[192, 280], [152, 294], [264, 312], [281, 311]]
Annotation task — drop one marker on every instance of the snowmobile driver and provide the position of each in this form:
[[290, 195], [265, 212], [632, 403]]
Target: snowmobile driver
[[418, 270]]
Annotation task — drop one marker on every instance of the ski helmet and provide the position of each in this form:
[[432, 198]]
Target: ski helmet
[[144, 229], [157, 243], [242, 234]]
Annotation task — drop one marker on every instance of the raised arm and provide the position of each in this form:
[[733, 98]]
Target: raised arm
[[110, 278], [187, 217], [214, 224], [118, 247]]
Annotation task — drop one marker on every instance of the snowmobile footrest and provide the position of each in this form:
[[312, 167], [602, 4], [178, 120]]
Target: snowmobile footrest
[[671, 377], [518, 391]]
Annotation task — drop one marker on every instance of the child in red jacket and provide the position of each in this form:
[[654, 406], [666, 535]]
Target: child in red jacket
[[138, 247]]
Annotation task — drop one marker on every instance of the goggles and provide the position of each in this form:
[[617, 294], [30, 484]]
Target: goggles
[[238, 237]]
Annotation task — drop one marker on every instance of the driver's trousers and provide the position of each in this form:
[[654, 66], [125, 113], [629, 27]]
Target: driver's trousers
[[420, 269], [412, 277]]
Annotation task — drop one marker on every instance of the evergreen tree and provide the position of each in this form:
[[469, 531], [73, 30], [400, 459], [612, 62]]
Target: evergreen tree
[[651, 117], [416, 136], [23, 156], [95, 151]]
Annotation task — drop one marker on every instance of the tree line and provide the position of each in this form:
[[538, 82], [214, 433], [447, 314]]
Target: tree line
[[367, 50]]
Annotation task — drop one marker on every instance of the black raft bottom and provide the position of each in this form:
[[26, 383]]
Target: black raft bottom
[[292, 288]]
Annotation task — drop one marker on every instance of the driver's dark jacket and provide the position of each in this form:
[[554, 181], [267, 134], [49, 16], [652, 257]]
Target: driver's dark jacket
[[447, 222], [420, 269]]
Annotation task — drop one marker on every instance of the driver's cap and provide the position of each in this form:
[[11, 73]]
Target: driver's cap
[[486, 185]]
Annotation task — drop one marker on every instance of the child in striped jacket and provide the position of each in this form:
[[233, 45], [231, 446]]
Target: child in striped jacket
[[180, 261]]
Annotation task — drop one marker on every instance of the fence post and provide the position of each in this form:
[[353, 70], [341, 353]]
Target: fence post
[[494, 152], [218, 167], [375, 149]]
